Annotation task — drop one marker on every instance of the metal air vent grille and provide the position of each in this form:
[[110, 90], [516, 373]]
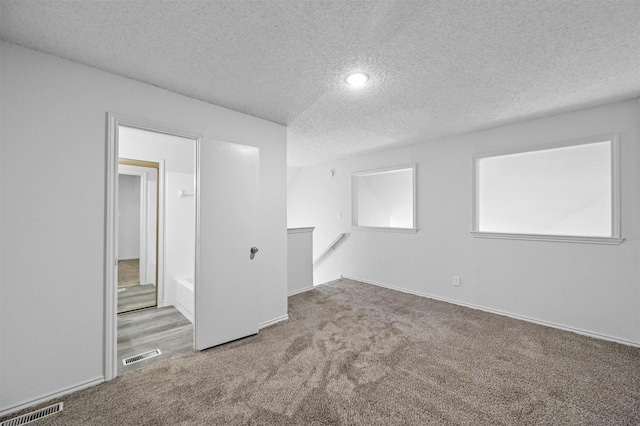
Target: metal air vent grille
[[34, 415], [141, 357]]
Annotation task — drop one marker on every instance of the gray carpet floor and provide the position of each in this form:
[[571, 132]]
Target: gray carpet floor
[[356, 354]]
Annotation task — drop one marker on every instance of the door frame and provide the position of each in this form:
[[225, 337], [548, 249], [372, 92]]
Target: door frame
[[114, 121], [161, 232], [134, 167], [144, 216]]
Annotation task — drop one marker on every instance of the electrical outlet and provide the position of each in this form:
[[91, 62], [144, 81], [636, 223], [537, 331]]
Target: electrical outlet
[[339, 215], [456, 281]]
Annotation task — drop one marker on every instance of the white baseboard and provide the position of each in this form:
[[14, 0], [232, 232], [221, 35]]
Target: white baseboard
[[273, 321], [55, 395], [302, 290], [185, 312], [503, 313]]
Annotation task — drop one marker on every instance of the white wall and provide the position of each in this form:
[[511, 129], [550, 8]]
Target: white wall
[[54, 121], [180, 236], [316, 199], [177, 152], [129, 217], [593, 288], [299, 260]]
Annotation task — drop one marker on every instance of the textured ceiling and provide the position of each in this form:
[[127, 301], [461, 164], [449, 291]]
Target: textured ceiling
[[438, 67]]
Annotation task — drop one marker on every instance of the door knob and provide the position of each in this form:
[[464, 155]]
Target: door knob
[[254, 250]]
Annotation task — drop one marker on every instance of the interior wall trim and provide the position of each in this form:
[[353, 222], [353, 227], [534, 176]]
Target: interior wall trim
[[302, 290], [58, 394], [273, 321], [300, 230], [503, 313], [113, 122]]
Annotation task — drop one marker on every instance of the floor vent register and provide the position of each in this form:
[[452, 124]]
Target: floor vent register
[[34, 415], [138, 358]]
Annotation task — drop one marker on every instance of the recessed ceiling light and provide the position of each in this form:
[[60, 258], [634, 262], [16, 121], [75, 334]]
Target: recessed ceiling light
[[357, 79]]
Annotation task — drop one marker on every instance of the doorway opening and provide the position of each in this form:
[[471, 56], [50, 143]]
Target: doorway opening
[[137, 234], [154, 213], [217, 198]]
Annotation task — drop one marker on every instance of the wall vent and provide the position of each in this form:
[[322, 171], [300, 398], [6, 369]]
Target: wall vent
[[138, 358], [34, 415]]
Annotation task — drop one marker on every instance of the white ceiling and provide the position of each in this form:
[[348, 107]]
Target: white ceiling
[[438, 67]]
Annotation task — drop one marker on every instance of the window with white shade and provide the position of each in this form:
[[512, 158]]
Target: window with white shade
[[385, 199], [565, 192]]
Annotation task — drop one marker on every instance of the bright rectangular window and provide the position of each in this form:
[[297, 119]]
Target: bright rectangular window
[[565, 192], [385, 199]]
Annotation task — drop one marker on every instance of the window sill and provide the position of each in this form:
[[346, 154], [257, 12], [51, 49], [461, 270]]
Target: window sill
[[380, 229], [551, 238]]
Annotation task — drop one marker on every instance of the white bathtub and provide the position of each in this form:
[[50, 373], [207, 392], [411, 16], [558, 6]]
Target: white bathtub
[[185, 297]]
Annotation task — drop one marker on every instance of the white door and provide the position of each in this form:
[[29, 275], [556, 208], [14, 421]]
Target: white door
[[226, 279]]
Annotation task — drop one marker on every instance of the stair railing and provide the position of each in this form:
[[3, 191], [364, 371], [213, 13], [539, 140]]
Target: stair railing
[[331, 246]]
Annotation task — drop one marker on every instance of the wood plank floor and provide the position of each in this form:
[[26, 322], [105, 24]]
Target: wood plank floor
[[136, 297], [156, 328], [128, 272]]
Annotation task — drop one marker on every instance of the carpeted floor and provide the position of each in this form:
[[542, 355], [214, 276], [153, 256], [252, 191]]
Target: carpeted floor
[[356, 354]]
